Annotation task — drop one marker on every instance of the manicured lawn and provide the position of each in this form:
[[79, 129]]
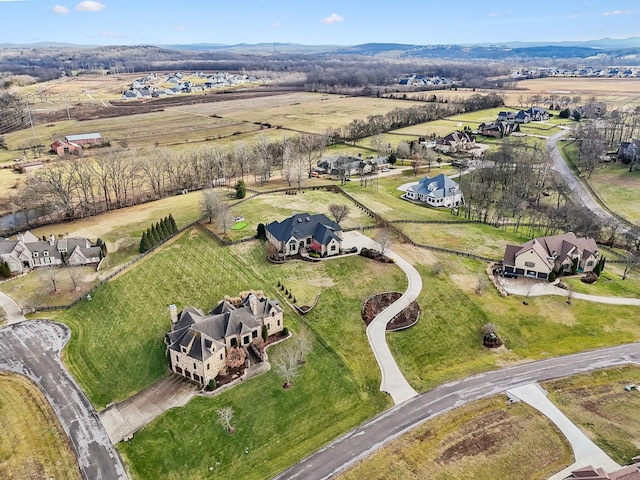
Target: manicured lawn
[[278, 206], [599, 405], [476, 238], [33, 443], [487, 439], [473, 119], [385, 199], [195, 270], [610, 283], [446, 343]]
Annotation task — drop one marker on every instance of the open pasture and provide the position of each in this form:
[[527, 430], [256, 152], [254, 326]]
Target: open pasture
[[308, 112]]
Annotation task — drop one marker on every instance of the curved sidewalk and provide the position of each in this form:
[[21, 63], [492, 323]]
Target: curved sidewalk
[[393, 381]]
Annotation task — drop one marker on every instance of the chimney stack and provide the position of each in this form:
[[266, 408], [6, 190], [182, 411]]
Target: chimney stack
[[173, 313], [52, 239]]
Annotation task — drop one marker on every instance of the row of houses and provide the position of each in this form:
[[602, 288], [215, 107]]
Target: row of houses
[[422, 80], [535, 72], [29, 251], [345, 166], [533, 114]]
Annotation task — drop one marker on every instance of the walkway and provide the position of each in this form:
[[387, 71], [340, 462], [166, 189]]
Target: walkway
[[11, 308], [393, 381], [536, 288], [33, 349], [585, 451], [123, 419]]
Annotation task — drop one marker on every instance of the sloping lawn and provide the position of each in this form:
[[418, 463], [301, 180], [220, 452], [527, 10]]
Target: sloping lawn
[[446, 343], [117, 344]]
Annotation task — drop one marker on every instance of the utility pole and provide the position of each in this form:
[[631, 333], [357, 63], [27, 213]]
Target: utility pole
[[33, 130]]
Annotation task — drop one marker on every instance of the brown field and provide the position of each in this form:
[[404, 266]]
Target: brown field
[[33, 444], [487, 439]]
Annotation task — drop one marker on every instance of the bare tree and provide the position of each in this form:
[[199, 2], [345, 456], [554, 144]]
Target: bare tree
[[310, 147], [225, 414], [339, 211], [211, 204], [74, 275], [285, 361], [51, 277], [303, 345], [613, 224], [631, 261], [383, 238], [570, 294]]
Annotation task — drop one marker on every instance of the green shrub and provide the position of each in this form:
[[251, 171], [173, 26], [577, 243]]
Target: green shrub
[[285, 331], [552, 276]]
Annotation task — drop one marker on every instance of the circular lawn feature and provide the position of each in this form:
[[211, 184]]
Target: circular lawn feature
[[239, 226]]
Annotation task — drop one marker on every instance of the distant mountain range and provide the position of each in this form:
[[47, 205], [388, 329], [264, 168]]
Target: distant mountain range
[[627, 48]]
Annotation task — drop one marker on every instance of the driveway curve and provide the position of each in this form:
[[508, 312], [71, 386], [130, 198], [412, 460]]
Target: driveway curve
[[33, 349], [377, 432], [11, 308], [393, 381]]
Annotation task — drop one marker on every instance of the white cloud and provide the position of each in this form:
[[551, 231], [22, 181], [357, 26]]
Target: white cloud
[[111, 35], [333, 18], [90, 6], [498, 14], [275, 25], [60, 9], [179, 28], [617, 12]]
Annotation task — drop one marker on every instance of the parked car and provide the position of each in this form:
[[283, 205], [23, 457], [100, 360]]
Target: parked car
[[315, 174], [385, 170], [509, 275]]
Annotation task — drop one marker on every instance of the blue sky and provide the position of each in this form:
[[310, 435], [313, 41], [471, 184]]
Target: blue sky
[[323, 22]]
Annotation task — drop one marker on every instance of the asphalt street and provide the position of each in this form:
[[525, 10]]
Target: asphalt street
[[369, 437], [33, 349]]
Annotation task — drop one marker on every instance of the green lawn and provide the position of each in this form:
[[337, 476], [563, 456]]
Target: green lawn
[[195, 270], [476, 238], [446, 343], [278, 206], [609, 284], [618, 188], [385, 198]]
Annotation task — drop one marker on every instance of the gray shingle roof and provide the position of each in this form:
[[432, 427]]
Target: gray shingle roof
[[319, 227], [437, 187]]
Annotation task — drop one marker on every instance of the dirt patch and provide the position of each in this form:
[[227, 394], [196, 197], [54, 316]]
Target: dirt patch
[[375, 304], [483, 442]]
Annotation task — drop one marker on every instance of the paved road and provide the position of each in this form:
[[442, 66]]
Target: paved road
[[576, 187], [33, 349], [369, 437]]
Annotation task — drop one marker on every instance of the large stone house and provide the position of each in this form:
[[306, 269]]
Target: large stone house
[[539, 257], [498, 129], [455, 142], [439, 191], [28, 251], [197, 343], [302, 232]]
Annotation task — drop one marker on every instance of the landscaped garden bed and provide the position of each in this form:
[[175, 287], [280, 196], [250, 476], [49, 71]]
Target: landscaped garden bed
[[376, 303]]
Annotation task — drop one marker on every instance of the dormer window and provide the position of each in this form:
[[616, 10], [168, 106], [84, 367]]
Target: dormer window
[[45, 253], [35, 254]]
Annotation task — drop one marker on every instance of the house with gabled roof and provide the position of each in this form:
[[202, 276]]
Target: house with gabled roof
[[439, 191], [302, 232], [197, 343], [540, 256], [455, 142], [497, 129], [29, 251]]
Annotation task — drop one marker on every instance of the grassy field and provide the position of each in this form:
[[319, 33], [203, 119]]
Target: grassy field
[[609, 284], [309, 112], [33, 444], [618, 188], [599, 405], [385, 200], [278, 206], [476, 238], [133, 308], [446, 343], [487, 439]]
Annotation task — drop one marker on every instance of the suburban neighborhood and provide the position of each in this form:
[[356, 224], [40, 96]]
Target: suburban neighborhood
[[288, 261]]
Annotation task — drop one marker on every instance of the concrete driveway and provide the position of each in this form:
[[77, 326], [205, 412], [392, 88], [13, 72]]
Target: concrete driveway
[[33, 349], [11, 308], [585, 451], [393, 381]]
